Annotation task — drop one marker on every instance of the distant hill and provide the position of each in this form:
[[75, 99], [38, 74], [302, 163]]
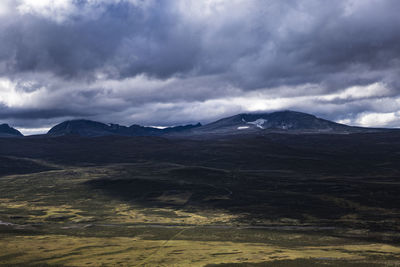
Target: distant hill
[[281, 121], [90, 128], [7, 131]]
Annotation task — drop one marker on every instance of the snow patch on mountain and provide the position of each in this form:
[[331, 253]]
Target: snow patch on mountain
[[259, 123]]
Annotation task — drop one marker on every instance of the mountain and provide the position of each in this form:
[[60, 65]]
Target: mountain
[[246, 123], [80, 127], [90, 128], [7, 131], [281, 121]]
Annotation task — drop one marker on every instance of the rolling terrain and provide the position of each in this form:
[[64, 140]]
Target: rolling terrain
[[270, 199]]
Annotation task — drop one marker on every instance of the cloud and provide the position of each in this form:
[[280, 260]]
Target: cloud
[[167, 62], [379, 119]]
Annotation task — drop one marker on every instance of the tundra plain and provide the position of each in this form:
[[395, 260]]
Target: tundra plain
[[270, 200]]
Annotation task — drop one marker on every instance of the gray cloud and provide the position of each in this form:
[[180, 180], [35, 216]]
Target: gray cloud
[[169, 62]]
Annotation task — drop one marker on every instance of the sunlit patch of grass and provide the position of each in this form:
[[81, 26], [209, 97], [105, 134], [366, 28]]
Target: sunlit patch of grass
[[125, 251], [37, 212], [128, 214]]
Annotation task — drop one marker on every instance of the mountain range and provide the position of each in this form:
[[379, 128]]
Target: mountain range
[[93, 128], [245, 123]]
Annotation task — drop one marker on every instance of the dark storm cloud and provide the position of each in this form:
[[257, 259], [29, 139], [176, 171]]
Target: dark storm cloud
[[114, 60], [268, 44], [121, 41], [333, 45], [28, 114]]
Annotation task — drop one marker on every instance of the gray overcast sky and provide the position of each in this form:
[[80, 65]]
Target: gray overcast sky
[[173, 62]]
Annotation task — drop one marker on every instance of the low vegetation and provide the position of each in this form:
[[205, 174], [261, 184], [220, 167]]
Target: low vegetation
[[295, 209]]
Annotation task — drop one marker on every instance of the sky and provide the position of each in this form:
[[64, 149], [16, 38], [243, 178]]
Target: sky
[[172, 62]]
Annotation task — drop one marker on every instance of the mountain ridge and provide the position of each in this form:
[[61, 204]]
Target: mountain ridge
[[91, 128], [286, 121], [283, 121], [8, 131]]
